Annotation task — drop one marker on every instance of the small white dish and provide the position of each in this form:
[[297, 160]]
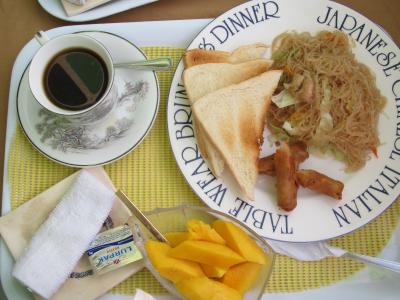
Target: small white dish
[[111, 138], [55, 8]]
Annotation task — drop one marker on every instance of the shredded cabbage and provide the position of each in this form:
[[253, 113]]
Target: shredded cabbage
[[284, 55], [327, 149], [331, 150], [287, 126], [277, 134], [283, 99]]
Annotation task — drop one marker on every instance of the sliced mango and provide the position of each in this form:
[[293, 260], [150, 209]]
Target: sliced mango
[[175, 238], [201, 231], [212, 271], [203, 288], [171, 268], [240, 242], [242, 277], [206, 253]]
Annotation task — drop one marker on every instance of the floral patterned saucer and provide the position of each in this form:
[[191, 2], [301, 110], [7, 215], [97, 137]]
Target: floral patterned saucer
[[121, 131]]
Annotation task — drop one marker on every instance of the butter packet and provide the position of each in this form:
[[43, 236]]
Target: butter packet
[[113, 249]]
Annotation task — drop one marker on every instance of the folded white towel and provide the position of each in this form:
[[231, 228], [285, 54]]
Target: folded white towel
[[62, 239]]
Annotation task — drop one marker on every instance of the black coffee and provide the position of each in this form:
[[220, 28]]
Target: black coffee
[[76, 79]]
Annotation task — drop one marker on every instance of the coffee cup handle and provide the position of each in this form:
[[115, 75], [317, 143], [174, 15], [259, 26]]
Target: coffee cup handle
[[41, 37]]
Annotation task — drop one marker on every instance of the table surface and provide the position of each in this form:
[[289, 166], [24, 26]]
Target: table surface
[[21, 19]]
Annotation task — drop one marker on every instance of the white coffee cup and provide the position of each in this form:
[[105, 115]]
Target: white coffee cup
[[50, 48]]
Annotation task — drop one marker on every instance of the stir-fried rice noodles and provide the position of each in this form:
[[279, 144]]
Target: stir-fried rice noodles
[[325, 98]]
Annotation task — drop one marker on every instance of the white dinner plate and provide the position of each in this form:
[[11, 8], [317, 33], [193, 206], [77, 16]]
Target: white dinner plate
[[138, 100], [367, 193], [55, 8]]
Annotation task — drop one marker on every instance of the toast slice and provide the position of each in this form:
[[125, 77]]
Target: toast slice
[[233, 120], [244, 53], [202, 79]]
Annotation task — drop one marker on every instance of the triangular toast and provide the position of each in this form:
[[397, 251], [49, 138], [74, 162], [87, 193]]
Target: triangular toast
[[202, 79], [233, 120]]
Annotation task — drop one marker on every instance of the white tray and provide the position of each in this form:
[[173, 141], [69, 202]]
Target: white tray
[[55, 8], [179, 34]]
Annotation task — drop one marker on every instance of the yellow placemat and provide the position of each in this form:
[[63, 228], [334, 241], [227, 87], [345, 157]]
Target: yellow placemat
[[150, 176]]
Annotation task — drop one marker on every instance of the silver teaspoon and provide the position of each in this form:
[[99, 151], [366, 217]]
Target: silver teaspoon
[[157, 64]]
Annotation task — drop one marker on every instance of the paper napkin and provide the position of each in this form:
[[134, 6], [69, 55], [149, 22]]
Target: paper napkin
[[74, 9], [306, 251]]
